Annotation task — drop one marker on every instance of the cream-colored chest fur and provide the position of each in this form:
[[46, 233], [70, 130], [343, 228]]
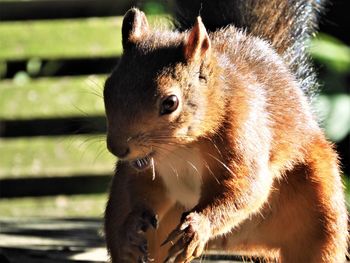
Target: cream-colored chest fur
[[182, 176]]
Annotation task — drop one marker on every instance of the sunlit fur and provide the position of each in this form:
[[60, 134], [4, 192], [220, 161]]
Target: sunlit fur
[[286, 24], [269, 180]]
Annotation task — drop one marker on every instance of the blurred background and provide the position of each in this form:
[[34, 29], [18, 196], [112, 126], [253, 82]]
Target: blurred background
[[54, 56]]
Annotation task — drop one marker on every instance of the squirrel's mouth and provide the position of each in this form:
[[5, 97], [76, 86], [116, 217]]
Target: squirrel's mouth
[[142, 163]]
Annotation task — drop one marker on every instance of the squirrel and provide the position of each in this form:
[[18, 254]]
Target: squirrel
[[217, 143]]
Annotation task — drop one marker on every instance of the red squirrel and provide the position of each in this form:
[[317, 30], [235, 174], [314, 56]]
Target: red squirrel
[[216, 141]]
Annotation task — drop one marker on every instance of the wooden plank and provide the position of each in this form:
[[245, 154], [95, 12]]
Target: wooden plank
[[54, 156], [51, 240], [58, 39], [86, 205], [51, 97]]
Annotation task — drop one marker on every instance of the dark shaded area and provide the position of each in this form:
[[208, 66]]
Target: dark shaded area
[[344, 153], [50, 186], [336, 20], [77, 236], [28, 255], [85, 232], [65, 67], [45, 9], [53, 127]]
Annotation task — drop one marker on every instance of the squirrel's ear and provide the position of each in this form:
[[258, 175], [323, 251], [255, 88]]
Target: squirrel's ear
[[135, 25], [198, 43]]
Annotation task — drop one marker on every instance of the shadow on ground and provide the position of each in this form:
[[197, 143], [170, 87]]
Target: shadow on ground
[[51, 240]]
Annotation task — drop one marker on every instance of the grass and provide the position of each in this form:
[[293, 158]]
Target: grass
[[51, 97], [54, 156]]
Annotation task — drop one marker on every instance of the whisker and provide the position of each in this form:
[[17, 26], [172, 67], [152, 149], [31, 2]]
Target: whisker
[[99, 92], [174, 170], [193, 166], [211, 172], [173, 153], [101, 151], [223, 164], [215, 146], [153, 170]]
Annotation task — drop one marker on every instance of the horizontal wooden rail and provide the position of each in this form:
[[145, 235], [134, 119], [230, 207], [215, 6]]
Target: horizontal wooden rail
[[59, 39], [51, 97], [54, 156], [54, 39], [86, 205]]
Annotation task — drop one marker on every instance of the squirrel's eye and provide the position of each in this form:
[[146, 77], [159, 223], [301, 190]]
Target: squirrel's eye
[[169, 105]]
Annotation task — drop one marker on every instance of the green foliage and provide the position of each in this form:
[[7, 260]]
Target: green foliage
[[332, 53], [3, 69], [334, 112], [333, 105], [34, 66], [346, 181], [153, 8]]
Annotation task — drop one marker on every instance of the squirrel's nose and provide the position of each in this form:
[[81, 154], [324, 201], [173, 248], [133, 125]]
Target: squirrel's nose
[[119, 150]]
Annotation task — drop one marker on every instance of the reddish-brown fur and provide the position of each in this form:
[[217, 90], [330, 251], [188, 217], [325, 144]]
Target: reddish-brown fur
[[270, 183]]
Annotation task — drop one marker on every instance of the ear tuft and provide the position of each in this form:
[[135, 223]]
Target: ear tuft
[[135, 25], [198, 42]]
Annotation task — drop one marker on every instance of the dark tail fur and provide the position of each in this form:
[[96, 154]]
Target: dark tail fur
[[286, 24]]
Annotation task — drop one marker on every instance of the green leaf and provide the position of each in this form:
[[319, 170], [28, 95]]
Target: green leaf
[[331, 52], [334, 110]]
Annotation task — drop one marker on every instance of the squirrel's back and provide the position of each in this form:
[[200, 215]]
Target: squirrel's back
[[286, 24]]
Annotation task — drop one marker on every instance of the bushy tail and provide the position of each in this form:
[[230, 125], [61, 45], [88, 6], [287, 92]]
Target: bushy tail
[[286, 24]]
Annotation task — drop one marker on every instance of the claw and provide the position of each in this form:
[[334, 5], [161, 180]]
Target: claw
[[154, 221], [184, 215], [143, 248], [167, 260], [171, 236], [184, 225], [141, 260]]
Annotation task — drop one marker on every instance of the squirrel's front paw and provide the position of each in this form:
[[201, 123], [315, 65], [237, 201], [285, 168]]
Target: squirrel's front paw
[[192, 234], [134, 248]]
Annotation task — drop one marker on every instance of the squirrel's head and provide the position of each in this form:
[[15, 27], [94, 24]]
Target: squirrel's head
[[158, 96]]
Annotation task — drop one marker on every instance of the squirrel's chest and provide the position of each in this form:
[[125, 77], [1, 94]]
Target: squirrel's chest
[[182, 176]]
